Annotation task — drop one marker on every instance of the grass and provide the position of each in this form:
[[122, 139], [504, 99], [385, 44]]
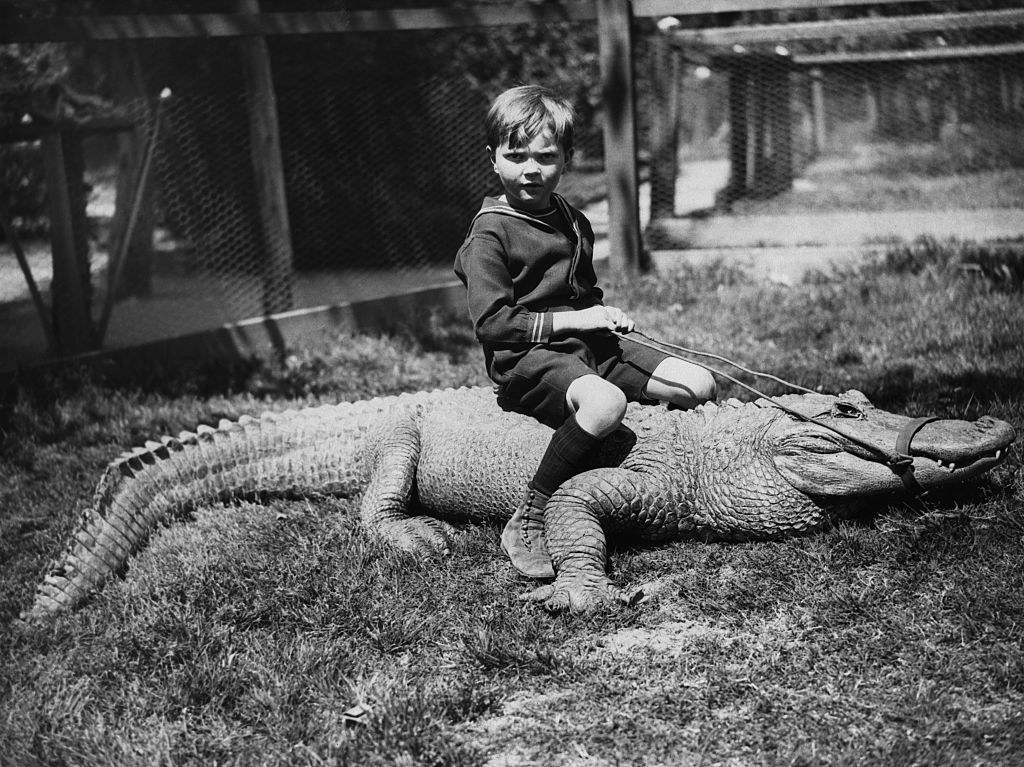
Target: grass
[[241, 635]]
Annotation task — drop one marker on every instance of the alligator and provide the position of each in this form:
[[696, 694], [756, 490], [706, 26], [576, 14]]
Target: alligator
[[728, 471]]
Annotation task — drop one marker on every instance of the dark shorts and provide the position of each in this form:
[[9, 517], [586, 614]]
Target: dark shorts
[[538, 383]]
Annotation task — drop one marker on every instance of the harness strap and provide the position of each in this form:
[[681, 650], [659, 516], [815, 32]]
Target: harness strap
[[904, 464], [909, 430]]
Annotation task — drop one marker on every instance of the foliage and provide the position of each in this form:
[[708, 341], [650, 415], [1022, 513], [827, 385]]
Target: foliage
[[25, 69], [242, 633]]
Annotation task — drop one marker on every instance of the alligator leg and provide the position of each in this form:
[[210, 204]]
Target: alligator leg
[[576, 540], [388, 496]]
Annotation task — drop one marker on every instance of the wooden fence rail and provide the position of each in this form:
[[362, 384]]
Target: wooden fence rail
[[818, 30], [136, 26]]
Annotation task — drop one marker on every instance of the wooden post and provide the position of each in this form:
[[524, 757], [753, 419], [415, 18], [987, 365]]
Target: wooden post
[[818, 111], [758, 178], [70, 290], [695, 98], [664, 62], [1004, 89], [871, 104], [614, 26], [739, 131], [268, 170], [137, 279], [780, 126]]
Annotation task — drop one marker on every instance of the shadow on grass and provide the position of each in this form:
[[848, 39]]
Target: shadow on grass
[[966, 395]]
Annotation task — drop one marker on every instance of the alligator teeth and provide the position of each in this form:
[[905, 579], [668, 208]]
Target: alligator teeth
[[999, 454]]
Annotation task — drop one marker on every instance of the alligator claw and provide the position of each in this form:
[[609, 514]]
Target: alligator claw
[[422, 536], [580, 594]]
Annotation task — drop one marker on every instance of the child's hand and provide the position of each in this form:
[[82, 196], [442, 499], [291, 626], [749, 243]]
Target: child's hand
[[622, 320], [601, 318]]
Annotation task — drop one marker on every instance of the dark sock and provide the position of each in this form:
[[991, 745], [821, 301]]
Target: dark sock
[[565, 456]]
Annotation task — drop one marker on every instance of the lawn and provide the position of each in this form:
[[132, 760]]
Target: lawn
[[243, 633]]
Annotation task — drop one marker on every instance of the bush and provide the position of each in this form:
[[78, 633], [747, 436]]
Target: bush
[[21, 177], [26, 70]]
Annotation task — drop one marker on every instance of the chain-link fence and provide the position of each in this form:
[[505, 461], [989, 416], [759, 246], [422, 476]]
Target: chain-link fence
[[803, 129]]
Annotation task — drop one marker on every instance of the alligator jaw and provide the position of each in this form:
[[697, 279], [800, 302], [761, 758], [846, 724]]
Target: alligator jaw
[[939, 460], [944, 452]]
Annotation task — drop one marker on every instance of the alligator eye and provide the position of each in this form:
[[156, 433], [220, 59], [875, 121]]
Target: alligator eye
[[846, 410]]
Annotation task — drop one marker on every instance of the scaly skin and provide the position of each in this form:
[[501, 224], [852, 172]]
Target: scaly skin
[[728, 471]]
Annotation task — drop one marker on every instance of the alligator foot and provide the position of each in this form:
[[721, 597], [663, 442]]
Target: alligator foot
[[580, 593], [421, 536]]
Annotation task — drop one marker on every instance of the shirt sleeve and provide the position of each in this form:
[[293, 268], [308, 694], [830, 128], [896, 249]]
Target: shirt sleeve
[[497, 319]]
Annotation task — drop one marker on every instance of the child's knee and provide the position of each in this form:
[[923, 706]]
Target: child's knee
[[682, 383], [599, 405], [614, 404], [705, 388]]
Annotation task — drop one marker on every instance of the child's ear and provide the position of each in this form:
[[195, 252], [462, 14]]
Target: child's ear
[[491, 156], [568, 158]]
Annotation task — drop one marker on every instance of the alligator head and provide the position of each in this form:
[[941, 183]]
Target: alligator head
[[854, 450]]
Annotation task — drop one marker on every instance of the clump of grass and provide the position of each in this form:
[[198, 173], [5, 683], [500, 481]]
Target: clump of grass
[[999, 264]]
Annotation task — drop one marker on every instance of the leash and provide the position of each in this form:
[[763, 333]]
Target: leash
[[900, 460]]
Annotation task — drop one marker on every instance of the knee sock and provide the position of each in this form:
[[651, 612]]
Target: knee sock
[[565, 456]]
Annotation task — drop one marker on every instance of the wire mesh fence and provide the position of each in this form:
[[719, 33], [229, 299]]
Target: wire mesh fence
[[755, 129], [895, 124]]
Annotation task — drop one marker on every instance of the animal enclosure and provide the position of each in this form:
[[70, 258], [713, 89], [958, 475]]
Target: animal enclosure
[[167, 173]]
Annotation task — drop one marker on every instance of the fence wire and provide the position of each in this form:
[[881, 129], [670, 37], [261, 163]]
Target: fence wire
[[910, 116], [382, 148]]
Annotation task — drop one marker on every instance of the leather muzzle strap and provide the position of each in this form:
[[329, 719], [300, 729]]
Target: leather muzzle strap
[[904, 463]]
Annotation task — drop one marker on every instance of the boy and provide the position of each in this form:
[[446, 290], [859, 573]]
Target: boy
[[527, 263]]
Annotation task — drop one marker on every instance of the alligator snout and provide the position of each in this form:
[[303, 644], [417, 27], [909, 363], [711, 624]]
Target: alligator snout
[[987, 423], [993, 428]]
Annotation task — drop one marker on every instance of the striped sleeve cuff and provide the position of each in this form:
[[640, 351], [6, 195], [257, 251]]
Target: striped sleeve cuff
[[542, 326]]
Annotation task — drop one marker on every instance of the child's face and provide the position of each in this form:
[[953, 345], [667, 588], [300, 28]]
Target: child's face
[[530, 173]]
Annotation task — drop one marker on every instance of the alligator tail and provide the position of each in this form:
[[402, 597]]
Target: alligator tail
[[307, 452]]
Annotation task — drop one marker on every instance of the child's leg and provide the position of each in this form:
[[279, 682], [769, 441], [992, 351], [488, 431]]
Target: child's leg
[[598, 408], [680, 383]]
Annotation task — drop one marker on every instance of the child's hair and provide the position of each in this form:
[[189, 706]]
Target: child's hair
[[520, 114]]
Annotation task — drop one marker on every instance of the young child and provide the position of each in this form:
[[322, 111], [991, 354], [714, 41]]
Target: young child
[[527, 263]]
